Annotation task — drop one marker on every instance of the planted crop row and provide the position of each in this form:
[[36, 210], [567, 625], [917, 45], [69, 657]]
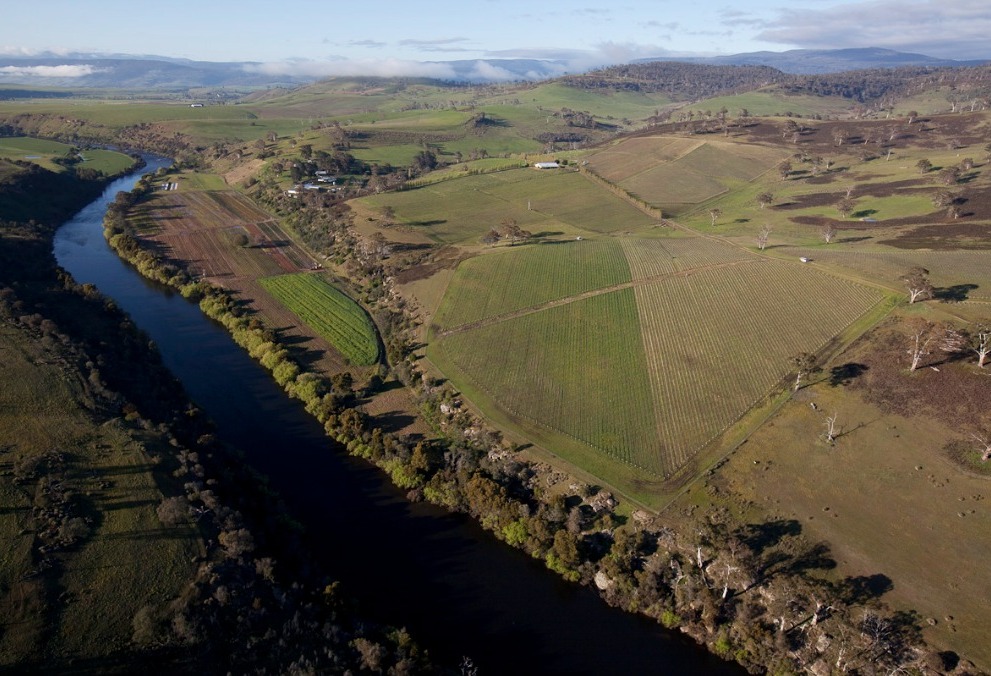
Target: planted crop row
[[488, 286], [718, 341], [968, 270], [652, 257], [337, 318], [577, 369]]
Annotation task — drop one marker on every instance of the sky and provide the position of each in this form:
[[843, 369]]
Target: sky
[[402, 38]]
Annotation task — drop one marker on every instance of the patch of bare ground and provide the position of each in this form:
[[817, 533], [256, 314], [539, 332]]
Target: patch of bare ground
[[447, 258]]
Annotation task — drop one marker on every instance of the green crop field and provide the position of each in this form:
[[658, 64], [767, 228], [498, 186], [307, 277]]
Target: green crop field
[[577, 369], [717, 327], [337, 318], [521, 277]]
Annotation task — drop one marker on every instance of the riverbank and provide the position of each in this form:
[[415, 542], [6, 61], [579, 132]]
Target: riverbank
[[107, 566]]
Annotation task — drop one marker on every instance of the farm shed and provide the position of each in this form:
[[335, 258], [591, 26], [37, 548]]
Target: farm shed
[[546, 165]]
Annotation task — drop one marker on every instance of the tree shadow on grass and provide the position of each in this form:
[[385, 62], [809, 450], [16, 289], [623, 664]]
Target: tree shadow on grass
[[861, 589], [844, 374], [954, 294]]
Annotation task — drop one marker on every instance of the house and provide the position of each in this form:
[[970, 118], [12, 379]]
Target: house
[[547, 165], [195, 105]]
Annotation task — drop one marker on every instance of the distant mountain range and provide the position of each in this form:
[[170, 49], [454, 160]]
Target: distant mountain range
[[817, 61], [155, 72]]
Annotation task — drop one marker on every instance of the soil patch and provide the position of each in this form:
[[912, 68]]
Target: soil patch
[[944, 237]]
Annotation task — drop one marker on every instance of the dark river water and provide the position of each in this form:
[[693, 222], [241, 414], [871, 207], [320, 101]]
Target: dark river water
[[457, 589]]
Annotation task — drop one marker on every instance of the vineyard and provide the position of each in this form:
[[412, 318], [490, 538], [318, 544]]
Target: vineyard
[[648, 373], [667, 172], [334, 316], [517, 278], [719, 340], [577, 369]]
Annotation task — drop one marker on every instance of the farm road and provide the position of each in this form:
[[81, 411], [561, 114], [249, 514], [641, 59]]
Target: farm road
[[488, 321]]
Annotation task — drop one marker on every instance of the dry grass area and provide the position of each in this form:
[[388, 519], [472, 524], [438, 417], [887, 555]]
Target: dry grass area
[[885, 496]]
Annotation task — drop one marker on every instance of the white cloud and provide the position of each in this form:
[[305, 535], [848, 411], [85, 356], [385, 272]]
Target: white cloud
[[50, 71], [956, 29], [354, 67]]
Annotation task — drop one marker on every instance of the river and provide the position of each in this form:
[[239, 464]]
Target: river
[[458, 590]]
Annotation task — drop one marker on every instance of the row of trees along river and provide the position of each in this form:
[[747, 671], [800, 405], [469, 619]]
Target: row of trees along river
[[455, 587]]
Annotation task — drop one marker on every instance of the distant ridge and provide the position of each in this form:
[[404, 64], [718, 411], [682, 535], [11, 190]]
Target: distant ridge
[[818, 61]]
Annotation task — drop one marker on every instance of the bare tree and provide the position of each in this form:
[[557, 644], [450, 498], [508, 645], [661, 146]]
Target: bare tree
[[764, 198], [924, 166], [980, 342], [714, 214], [985, 445], [805, 364], [925, 337], [785, 169], [917, 282], [831, 430], [827, 232], [763, 235], [949, 175]]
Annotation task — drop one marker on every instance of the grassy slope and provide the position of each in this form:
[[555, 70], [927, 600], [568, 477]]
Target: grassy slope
[[86, 606]]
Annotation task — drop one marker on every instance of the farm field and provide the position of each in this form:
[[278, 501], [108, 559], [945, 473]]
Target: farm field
[[717, 327], [675, 172], [42, 152], [208, 229], [461, 210], [329, 312]]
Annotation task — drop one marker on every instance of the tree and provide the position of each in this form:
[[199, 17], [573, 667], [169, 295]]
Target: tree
[[912, 115], [924, 166], [785, 169], [949, 175], [943, 198], [845, 206], [984, 445], [805, 364], [924, 338], [917, 282], [831, 432], [764, 198], [763, 235], [827, 232], [979, 339], [714, 214]]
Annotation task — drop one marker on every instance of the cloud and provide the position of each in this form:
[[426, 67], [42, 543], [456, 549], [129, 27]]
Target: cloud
[[365, 43], [50, 71], [955, 29], [439, 45], [353, 67]]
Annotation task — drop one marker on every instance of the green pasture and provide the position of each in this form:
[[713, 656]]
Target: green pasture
[[521, 277], [771, 101], [43, 151], [334, 316], [552, 202]]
